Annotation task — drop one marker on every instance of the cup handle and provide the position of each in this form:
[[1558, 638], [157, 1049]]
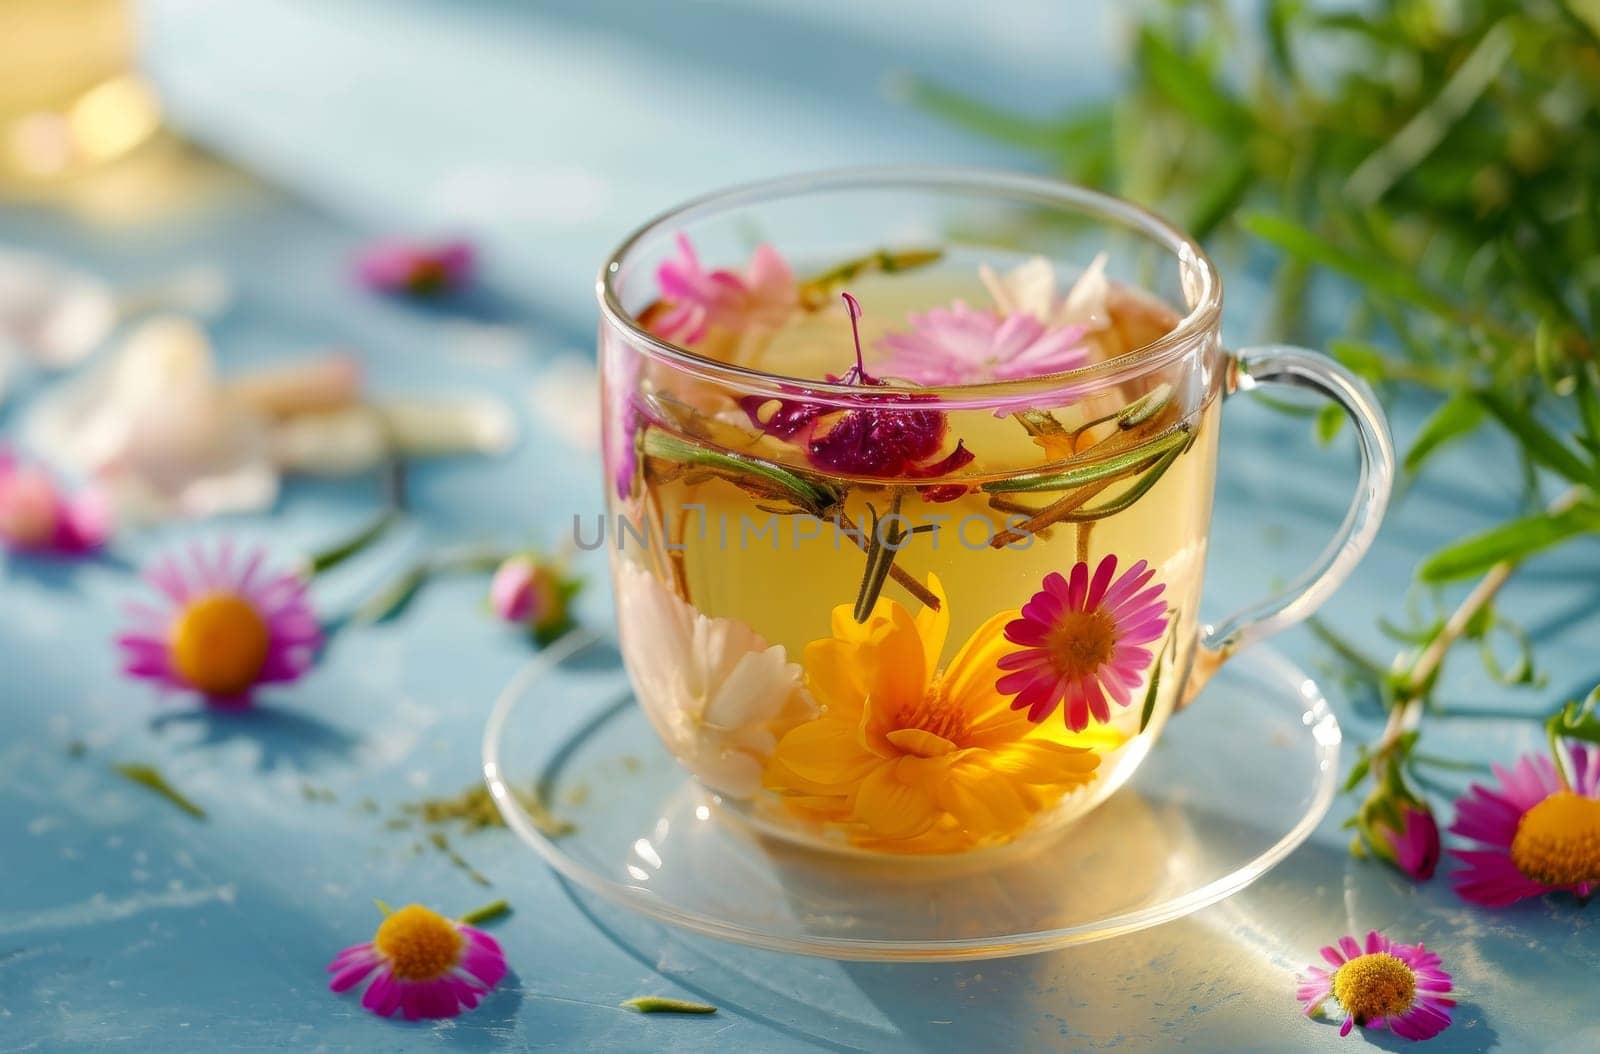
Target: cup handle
[[1291, 367]]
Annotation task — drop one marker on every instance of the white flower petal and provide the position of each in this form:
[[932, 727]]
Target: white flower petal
[[712, 687], [434, 427], [155, 428], [566, 397], [51, 314], [1085, 304]]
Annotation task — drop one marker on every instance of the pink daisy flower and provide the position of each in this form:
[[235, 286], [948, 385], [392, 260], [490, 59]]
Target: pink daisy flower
[[1535, 834], [396, 265], [37, 516], [1381, 985], [226, 628], [960, 345], [427, 966], [699, 300], [1082, 640]]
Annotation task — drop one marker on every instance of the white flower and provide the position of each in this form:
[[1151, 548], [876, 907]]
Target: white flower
[[167, 436], [154, 426], [1030, 288], [715, 691]]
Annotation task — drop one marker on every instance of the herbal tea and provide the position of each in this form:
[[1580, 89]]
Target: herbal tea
[[896, 602]]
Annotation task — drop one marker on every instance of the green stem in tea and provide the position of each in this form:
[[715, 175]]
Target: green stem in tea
[[1126, 500], [819, 289], [880, 556], [1149, 709], [1050, 514], [747, 473], [1068, 508], [1121, 464], [902, 578]]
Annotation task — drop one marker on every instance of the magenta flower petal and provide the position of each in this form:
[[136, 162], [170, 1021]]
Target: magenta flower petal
[[1416, 845], [1530, 801], [960, 345], [37, 516], [697, 301], [886, 434], [1078, 643]]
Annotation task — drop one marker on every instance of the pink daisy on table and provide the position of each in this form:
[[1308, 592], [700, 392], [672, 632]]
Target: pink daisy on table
[[698, 300], [37, 516], [396, 265], [1381, 984], [427, 966], [960, 345], [1082, 639], [227, 626], [1535, 833]]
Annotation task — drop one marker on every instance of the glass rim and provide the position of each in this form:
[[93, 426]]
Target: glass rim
[[994, 183]]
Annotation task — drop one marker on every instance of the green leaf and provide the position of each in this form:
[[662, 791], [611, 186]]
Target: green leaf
[[1149, 709], [1539, 442], [1369, 360], [1219, 196], [1577, 720], [150, 777], [329, 558], [393, 599], [1521, 671], [1330, 420], [659, 1004], [1455, 417], [965, 111], [1512, 541], [488, 913], [1372, 271], [1358, 772], [1588, 393], [1190, 87]]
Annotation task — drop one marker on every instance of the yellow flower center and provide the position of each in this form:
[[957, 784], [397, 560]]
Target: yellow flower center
[[419, 944], [1083, 641], [219, 644], [934, 715], [1558, 840], [1374, 986]]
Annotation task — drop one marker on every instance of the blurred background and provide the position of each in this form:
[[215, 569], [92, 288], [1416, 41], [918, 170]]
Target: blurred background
[[545, 131]]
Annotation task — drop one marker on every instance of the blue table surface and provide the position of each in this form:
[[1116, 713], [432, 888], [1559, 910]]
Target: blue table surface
[[126, 925]]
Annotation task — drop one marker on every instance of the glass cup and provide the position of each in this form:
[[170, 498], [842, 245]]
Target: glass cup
[[918, 570]]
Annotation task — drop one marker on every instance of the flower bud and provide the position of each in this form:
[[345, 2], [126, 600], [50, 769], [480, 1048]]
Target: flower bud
[[1402, 832], [535, 593]]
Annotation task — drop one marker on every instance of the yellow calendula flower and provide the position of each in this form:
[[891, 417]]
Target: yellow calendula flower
[[910, 758]]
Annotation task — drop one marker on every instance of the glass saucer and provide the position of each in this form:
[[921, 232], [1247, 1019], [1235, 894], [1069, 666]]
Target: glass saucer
[[1235, 783]]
